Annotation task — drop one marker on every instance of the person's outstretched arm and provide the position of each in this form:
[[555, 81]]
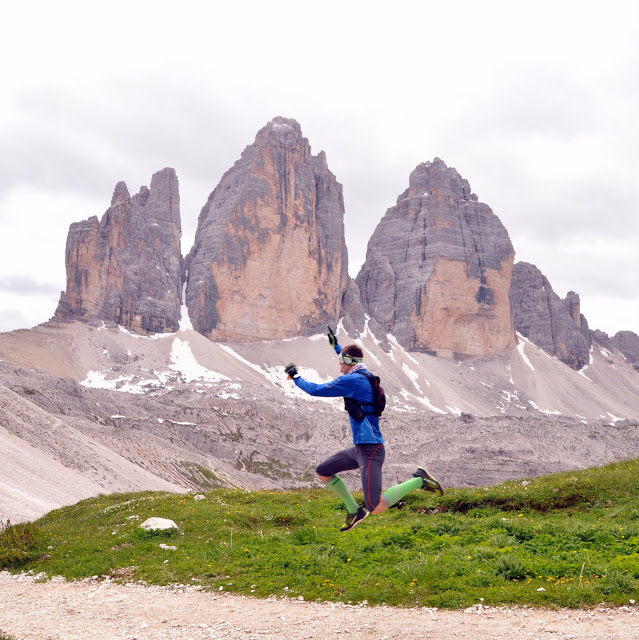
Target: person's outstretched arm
[[340, 387]]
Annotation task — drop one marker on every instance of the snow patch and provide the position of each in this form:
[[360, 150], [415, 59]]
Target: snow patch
[[98, 380], [185, 322], [275, 375], [524, 357], [184, 362], [582, 372], [423, 399], [546, 411], [508, 397], [413, 376], [368, 332], [393, 340]]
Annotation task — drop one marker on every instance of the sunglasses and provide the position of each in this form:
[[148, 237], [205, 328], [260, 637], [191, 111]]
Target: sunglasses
[[349, 359]]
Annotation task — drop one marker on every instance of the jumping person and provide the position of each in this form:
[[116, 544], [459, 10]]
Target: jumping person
[[368, 452]]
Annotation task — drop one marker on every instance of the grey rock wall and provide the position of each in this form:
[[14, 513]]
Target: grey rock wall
[[438, 269], [127, 267], [628, 343], [555, 325]]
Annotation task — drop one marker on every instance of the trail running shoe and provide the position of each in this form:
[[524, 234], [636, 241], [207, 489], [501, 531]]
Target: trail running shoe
[[430, 482], [353, 519]]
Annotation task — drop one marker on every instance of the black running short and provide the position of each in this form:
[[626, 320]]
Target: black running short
[[368, 458]]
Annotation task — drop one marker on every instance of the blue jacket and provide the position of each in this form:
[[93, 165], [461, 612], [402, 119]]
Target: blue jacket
[[352, 385]]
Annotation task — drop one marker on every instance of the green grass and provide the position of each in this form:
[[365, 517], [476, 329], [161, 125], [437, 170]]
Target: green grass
[[569, 539]]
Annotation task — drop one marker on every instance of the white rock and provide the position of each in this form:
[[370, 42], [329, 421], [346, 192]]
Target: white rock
[[158, 523], [199, 497], [541, 589], [168, 547]]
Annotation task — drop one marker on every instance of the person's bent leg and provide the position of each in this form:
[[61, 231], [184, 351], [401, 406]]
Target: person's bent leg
[[339, 488], [327, 472]]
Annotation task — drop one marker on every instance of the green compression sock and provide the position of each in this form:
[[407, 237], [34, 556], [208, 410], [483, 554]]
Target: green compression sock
[[338, 486], [396, 493]]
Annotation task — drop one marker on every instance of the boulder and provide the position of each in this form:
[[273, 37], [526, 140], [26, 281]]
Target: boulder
[[158, 524]]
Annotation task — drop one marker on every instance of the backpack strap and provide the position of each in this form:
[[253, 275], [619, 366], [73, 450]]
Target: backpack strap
[[369, 376]]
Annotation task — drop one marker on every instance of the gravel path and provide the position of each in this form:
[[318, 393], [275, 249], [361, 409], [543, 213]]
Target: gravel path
[[102, 609]]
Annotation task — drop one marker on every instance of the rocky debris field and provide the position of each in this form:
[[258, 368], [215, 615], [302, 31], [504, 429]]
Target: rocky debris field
[[103, 609]]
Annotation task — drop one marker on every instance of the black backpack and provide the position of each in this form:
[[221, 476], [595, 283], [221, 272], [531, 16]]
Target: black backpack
[[356, 409]]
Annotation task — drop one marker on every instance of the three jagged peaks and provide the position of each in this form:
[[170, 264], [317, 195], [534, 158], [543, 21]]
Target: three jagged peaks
[[269, 261]]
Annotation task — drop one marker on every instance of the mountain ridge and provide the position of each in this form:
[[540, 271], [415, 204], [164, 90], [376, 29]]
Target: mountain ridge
[[269, 260]]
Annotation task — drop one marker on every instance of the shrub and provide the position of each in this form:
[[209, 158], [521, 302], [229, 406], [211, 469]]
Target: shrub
[[17, 542], [149, 534], [510, 567]]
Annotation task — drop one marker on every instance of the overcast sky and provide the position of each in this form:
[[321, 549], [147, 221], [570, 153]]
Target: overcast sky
[[536, 104]]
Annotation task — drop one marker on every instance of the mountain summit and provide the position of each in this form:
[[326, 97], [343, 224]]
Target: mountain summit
[[127, 268], [438, 269], [269, 259]]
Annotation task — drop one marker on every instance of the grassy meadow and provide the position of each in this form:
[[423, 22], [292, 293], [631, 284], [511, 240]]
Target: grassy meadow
[[568, 539]]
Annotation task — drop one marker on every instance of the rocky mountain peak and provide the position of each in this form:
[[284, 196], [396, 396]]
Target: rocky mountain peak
[[433, 177], [269, 259], [120, 194], [628, 344], [127, 267], [555, 325], [438, 269]]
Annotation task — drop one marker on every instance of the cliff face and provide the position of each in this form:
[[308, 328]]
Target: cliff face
[[628, 343], [269, 259], [127, 267], [555, 325], [438, 269]]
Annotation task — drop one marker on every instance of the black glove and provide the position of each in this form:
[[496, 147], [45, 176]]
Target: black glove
[[291, 369], [332, 338]]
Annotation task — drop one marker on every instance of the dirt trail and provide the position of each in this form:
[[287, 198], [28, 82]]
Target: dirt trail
[[92, 609]]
